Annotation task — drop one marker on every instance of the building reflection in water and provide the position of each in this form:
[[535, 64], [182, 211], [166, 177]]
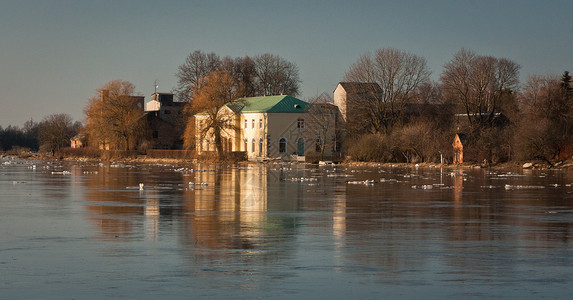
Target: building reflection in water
[[234, 209], [257, 212]]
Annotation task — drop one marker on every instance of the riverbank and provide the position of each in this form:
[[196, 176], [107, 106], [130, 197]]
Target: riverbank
[[509, 166]]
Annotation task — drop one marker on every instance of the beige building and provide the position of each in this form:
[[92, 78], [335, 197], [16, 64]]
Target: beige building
[[281, 127]]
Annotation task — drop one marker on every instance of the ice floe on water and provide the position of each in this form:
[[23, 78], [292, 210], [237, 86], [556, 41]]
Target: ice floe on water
[[61, 172], [489, 187], [363, 182], [523, 187], [303, 179]]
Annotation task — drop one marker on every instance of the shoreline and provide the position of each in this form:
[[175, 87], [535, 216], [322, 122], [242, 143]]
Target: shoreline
[[509, 166]]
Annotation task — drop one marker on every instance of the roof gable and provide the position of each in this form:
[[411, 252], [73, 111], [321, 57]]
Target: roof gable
[[360, 87], [269, 104]]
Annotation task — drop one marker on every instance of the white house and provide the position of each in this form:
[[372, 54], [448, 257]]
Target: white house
[[272, 127]]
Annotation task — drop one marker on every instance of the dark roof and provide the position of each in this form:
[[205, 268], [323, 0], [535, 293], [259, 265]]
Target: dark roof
[[360, 87]]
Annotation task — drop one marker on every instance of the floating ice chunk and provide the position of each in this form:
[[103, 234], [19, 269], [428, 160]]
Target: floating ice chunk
[[61, 173], [522, 187], [489, 187], [364, 182]]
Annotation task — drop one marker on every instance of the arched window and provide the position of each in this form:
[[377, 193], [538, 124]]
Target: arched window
[[245, 144], [300, 123], [260, 146], [282, 145], [253, 145]]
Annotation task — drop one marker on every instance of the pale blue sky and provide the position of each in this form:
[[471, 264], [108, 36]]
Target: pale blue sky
[[55, 53]]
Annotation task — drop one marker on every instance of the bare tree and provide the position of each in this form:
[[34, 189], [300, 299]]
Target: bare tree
[[546, 127], [264, 74], [191, 73], [477, 83], [218, 89], [55, 132], [322, 115], [275, 75], [114, 116], [398, 74]]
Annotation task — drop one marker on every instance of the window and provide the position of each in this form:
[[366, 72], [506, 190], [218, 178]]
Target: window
[[260, 146], [261, 123], [253, 145], [282, 145], [246, 123], [300, 123], [245, 144], [253, 123]]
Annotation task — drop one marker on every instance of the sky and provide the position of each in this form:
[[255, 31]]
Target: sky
[[54, 54]]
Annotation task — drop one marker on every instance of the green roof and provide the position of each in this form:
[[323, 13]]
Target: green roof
[[269, 104]]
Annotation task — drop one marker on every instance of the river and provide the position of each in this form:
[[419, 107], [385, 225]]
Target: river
[[84, 230]]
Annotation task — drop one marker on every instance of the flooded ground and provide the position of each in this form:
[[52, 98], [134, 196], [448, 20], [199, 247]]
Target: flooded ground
[[89, 230]]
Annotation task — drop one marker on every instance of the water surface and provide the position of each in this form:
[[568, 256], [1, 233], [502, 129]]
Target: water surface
[[89, 230]]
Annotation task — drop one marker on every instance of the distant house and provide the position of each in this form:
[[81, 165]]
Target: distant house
[[77, 141], [268, 127], [460, 140], [163, 115]]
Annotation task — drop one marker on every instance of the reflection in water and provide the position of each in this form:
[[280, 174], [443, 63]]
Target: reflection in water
[[280, 227], [234, 209]]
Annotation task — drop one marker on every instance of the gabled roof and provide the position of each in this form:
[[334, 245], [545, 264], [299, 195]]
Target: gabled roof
[[269, 104], [360, 87]]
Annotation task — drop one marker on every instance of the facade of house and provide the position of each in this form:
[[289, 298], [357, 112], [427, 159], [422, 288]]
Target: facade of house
[[77, 141], [163, 114], [269, 127]]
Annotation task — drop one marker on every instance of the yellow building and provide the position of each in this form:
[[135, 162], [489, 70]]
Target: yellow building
[[281, 127]]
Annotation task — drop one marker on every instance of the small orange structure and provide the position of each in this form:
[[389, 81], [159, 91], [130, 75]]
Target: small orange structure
[[458, 144], [76, 142]]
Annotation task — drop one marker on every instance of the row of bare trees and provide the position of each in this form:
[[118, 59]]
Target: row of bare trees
[[264, 74], [48, 135], [409, 118]]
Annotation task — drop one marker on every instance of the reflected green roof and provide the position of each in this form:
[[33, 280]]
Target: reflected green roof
[[269, 104]]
